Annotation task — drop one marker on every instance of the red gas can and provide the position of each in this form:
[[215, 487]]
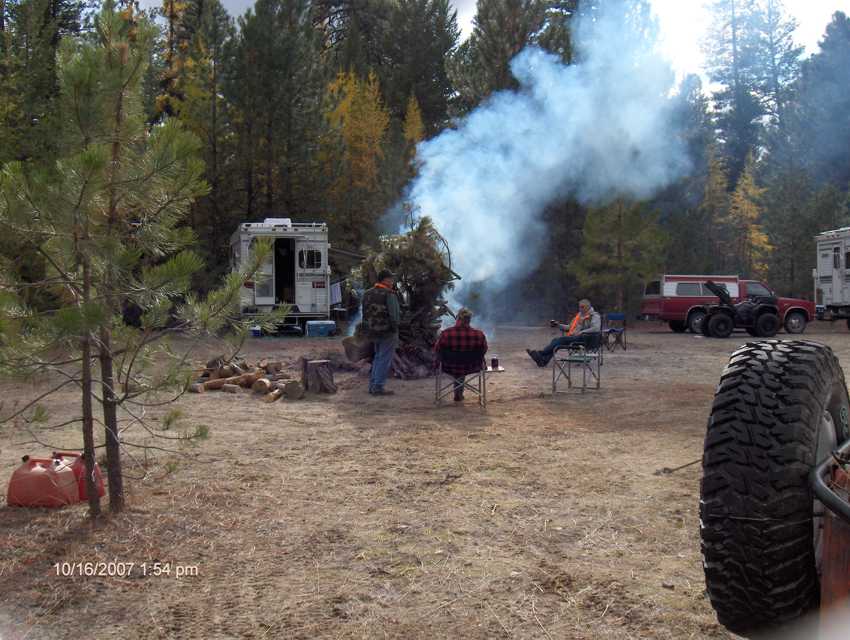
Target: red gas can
[[78, 464], [43, 482]]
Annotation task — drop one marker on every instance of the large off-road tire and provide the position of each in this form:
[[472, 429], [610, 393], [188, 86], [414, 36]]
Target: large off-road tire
[[781, 407], [678, 326], [720, 325], [767, 324], [795, 322], [695, 320]]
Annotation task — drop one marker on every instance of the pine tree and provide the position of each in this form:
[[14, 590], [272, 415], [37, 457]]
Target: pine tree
[[106, 217], [274, 86], [732, 53], [421, 37], [777, 59], [501, 29], [623, 247]]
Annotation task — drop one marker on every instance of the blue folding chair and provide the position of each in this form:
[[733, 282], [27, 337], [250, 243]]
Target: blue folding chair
[[614, 332]]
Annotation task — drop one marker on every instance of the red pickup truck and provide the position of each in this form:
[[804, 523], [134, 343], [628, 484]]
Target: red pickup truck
[[681, 301]]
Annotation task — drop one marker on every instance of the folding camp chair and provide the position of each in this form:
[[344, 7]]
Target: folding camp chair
[[475, 381], [614, 332], [586, 356]]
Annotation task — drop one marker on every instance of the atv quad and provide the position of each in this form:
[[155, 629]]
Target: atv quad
[[774, 506], [759, 315]]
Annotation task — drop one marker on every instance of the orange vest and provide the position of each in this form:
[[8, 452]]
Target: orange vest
[[574, 324]]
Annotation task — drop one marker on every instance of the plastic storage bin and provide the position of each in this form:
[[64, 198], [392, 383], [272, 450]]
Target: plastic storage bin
[[320, 328]]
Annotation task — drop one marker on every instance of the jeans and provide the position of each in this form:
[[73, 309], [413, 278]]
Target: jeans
[[381, 363], [458, 388], [563, 341]]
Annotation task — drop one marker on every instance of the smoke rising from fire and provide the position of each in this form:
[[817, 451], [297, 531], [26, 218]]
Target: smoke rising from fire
[[594, 130]]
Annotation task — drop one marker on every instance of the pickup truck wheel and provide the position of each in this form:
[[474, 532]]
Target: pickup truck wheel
[[678, 326], [767, 324], [720, 325], [781, 407], [695, 321], [795, 322]]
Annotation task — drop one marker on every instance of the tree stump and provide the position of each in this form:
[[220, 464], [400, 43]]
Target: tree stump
[[317, 376]]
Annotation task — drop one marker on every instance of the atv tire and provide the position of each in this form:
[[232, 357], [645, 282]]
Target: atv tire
[[767, 324], [780, 408], [720, 325]]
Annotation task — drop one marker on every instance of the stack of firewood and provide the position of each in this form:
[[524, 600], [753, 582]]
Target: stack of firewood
[[264, 378]]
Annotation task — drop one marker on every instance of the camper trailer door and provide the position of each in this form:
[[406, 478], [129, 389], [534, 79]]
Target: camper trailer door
[[264, 282], [311, 281]]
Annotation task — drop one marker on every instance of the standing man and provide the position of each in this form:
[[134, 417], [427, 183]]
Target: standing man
[[586, 321], [462, 337], [381, 316]]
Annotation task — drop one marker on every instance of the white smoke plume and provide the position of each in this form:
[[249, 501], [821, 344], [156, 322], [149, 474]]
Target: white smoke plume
[[594, 130]]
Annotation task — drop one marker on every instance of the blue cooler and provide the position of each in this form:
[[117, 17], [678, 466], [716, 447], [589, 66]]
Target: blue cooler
[[320, 328]]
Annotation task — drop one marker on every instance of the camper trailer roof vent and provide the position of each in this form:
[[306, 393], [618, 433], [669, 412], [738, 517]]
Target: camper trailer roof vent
[[278, 222]]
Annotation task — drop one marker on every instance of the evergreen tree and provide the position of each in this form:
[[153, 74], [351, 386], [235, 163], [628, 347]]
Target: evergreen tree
[[623, 247], [106, 217], [421, 37], [501, 29], [777, 59], [713, 211], [274, 87], [732, 54], [821, 115]]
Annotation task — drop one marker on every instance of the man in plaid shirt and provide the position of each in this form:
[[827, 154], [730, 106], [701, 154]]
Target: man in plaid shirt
[[461, 337]]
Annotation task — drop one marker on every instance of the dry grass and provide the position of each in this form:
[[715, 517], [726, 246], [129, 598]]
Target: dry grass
[[356, 517]]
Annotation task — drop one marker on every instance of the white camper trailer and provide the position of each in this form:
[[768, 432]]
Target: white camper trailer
[[296, 273], [832, 275]]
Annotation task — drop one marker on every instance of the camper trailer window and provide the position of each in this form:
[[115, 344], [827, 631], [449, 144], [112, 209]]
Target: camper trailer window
[[847, 260], [836, 258], [310, 259]]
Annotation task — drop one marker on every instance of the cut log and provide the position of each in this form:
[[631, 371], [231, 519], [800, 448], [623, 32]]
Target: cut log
[[197, 387], [293, 390], [277, 394], [237, 370], [226, 371], [218, 383], [281, 376], [357, 349], [262, 385], [231, 388], [262, 364], [318, 377], [248, 379]]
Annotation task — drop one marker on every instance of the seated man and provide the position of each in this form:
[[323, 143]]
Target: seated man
[[587, 320], [461, 337]]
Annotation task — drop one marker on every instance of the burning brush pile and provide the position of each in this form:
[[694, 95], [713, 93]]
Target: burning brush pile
[[421, 261]]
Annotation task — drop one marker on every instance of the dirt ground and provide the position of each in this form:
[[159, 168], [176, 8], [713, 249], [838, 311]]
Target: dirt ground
[[349, 516]]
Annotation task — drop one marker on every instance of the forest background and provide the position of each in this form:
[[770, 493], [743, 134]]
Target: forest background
[[313, 109]]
